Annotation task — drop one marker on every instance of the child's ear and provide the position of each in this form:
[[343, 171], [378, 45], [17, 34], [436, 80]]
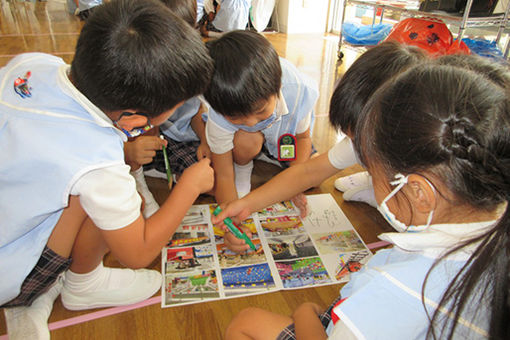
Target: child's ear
[[129, 120], [422, 193]]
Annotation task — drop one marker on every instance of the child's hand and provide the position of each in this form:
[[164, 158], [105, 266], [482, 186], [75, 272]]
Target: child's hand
[[236, 244], [237, 210], [142, 150], [301, 202], [203, 151], [200, 176]]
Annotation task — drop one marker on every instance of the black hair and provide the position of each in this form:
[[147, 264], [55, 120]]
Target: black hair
[[184, 9], [364, 76], [494, 71], [136, 54], [452, 125], [247, 72]]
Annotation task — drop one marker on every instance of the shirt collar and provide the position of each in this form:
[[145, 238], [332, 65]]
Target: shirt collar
[[439, 238], [281, 105], [99, 117]]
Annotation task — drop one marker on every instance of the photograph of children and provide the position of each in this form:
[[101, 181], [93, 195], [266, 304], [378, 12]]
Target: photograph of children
[[338, 242], [195, 215], [229, 258], [248, 223], [350, 263], [247, 279], [282, 226], [278, 209], [195, 287], [187, 235], [179, 260], [291, 247], [302, 272]]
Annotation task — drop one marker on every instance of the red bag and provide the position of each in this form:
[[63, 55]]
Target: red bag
[[432, 36]]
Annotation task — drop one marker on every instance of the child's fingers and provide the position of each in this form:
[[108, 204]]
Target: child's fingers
[[235, 244]]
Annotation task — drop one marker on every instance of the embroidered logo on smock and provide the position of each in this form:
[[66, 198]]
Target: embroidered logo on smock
[[21, 86]]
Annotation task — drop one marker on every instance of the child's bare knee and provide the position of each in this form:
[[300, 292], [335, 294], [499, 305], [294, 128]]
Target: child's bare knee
[[247, 145]]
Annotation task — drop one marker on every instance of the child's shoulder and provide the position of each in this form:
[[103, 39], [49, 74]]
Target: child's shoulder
[[33, 58], [292, 77]]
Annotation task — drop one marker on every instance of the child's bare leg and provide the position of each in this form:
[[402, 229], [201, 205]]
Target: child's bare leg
[[88, 284], [256, 323], [75, 235], [247, 146]]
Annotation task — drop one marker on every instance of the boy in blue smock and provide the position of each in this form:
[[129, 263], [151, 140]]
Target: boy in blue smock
[[256, 99], [185, 142], [67, 196]]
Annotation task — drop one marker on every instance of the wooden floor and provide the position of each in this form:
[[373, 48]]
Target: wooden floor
[[27, 26]]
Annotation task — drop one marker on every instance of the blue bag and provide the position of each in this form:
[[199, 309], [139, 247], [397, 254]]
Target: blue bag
[[358, 34]]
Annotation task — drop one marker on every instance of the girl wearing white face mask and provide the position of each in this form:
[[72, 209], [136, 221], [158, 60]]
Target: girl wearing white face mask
[[436, 141]]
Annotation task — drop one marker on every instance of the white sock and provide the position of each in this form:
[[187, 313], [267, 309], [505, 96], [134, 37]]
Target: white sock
[[100, 278], [32, 322], [243, 178], [363, 194], [359, 179], [151, 206]]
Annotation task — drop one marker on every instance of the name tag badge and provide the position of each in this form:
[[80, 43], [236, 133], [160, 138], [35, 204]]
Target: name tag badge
[[287, 147]]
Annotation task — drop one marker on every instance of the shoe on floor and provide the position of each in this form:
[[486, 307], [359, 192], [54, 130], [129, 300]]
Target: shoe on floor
[[363, 194], [31, 322], [143, 284], [360, 179]]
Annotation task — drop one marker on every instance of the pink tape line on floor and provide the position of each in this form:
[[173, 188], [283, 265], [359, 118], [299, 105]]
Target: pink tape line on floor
[[116, 310], [97, 315]]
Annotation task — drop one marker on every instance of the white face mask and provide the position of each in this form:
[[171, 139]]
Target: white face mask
[[400, 181]]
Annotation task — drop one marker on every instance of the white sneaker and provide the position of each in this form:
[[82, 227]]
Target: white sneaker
[[265, 158], [360, 179], [143, 284], [32, 322], [151, 206], [154, 173], [363, 194]]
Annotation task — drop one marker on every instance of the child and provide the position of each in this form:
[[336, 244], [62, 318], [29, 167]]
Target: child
[[184, 134], [224, 16], [185, 141], [355, 88], [255, 99], [436, 142], [67, 197]]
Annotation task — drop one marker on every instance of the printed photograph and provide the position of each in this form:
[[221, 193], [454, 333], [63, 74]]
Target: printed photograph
[[282, 226], [247, 279], [195, 215], [248, 223], [291, 247], [186, 259], [277, 209], [302, 272], [188, 235], [229, 258], [199, 286], [338, 242], [350, 263]]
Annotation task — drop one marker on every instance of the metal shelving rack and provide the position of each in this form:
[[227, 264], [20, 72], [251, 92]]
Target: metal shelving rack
[[499, 22]]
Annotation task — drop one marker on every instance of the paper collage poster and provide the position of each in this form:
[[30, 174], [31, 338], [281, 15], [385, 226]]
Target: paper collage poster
[[290, 253]]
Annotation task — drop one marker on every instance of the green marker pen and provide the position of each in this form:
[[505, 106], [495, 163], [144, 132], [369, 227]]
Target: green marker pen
[[235, 229], [167, 164]]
